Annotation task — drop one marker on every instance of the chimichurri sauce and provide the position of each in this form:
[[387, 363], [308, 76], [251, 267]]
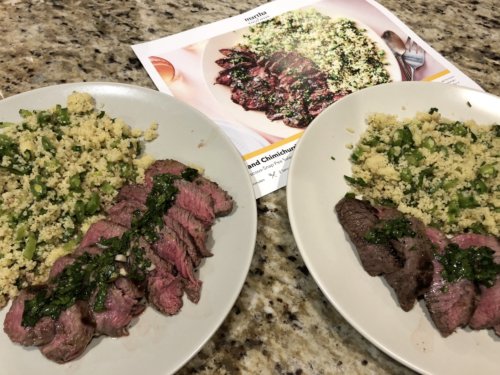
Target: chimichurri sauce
[[90, 273], [474, 264], [390, 230]]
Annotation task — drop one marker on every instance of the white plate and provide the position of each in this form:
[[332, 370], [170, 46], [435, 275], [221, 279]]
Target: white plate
[[158, 344], [255, 119], [316, 184]]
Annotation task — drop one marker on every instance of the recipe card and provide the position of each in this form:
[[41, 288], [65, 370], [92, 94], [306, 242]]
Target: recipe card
[[263, 76]]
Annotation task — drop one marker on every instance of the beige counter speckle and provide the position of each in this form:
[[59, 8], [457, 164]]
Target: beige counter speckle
[[281, 323]]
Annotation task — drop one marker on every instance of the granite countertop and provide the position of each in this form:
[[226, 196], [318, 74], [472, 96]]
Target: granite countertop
[[281, 323]]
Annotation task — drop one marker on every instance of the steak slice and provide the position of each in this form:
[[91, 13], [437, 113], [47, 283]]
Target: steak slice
[[194, 227], [133, 192], [192, 289], [124, 211], [74, 331], [59, 265], [222, 201], [196, 201], [165, 293], [477, 240], [123, 302], [450, 305], [487, 312], [185, 237], [164, 289], [170, 248], [102, 229], [91, 250], [169, 166], [358, 218], [414, 279], [40, 334]]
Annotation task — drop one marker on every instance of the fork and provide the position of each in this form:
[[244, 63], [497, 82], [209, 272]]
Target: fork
[[414, 56]]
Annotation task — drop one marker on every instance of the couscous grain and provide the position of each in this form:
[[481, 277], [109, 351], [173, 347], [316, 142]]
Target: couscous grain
[[444, 172], [59, 170]]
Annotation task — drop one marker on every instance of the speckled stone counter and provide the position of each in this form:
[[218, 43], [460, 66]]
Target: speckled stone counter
[[281, 322]]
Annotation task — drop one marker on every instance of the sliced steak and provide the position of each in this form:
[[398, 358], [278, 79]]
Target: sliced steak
[[102, 229], [467, 240], [133, 192], [123, 212], [185, 237], [222, 201], [40, 334], [91, 250], [163, 286], [196, 201], [438, 239], [165, 293], [414, 279], [169, 166], [487, 312], [74, 331], [59, 265], [123, 302], [450, 304], [170, 248], [358, 218], [192, 289], [194, 227]]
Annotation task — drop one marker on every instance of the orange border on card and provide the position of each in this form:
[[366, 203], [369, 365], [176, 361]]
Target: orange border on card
[[272, 146], [437, 75]]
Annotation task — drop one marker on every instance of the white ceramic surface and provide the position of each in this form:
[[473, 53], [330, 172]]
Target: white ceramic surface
[[316, 184], [255, 119], [158, 344]]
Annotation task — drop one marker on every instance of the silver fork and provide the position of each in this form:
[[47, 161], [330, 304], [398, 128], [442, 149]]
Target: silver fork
[[414, 56]]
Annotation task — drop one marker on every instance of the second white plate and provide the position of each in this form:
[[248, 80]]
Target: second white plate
[[316, 184]]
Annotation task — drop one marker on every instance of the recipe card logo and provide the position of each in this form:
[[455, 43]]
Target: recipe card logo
[[258, 17]]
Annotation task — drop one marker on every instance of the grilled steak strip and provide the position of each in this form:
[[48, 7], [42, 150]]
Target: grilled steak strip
[[123, 302], [74, 330], [487, 312], [358, 218], [40, 334], [414, 278], [450, 304]]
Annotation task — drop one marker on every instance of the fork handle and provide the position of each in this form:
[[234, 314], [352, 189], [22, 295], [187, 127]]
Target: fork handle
[[404, 67], [412, 73]]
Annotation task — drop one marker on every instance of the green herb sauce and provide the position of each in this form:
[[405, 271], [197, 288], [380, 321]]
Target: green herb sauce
[[474, 264], [390, 230]]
